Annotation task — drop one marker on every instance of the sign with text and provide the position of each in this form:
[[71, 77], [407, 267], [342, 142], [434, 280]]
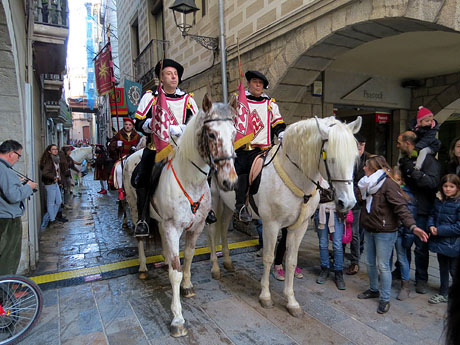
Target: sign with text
[[382, 117]]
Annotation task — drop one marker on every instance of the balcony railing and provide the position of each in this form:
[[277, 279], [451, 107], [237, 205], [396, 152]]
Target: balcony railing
[[144, 64], [51, 12]]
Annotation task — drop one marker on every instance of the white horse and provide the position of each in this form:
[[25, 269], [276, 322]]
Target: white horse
[[183, 198], [288, 195], [80, 154]]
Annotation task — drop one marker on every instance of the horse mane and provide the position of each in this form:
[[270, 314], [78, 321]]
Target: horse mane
[[302, 143]]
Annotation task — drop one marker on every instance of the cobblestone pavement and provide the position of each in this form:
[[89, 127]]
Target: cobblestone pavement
[[126, 310]]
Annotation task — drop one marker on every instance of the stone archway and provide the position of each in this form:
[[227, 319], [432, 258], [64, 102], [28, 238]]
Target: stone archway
[[293, 61]]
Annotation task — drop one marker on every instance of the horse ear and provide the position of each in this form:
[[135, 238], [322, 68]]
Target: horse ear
[[355, 125], [233, 103], [322, 128], [207, 104]]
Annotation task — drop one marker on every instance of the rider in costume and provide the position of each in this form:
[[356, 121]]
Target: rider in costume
[[182, 106], [267, 122], [122, 145]]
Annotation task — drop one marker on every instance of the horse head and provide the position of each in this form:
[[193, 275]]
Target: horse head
[[217, 134], [339, 154]]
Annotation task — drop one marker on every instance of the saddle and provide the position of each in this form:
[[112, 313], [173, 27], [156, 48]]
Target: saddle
[[255, 173], [154, 176]]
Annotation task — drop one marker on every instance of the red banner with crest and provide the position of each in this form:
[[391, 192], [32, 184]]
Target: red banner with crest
[[160, 126], [243, 121]]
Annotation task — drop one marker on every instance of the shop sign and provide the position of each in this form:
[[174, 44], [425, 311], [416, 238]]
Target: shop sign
[[382, 117]]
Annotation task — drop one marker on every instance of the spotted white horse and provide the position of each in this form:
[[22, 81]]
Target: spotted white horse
[[183, 197], [310, 149], [79, 154]]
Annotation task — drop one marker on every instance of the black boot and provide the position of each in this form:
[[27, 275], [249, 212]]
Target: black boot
[[142, 227], [339, 282], [323, 275], [240, 206], [211, 218]]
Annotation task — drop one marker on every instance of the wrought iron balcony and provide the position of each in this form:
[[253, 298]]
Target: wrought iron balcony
[[144, 65], [51, 12]]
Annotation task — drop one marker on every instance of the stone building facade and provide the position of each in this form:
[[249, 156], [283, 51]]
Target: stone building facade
[[321, 57]]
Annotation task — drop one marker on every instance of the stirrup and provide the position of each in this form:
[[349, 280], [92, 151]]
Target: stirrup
[[244, 215], [211, 218], [142, 229]]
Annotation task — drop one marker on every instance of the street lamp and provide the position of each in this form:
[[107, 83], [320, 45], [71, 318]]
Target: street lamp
[[180, 10]]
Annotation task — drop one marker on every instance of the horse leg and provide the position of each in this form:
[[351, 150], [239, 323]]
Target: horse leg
[[270, 234], [142, 259], [226, 217], [212, 233], [294, 237], [177, 327], [189, 250]]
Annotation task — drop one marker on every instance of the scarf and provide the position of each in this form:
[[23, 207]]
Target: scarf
[[369, 185]]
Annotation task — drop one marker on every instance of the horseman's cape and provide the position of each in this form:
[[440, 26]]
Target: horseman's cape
[[243, 121]]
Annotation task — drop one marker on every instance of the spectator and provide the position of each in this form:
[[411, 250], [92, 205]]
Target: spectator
[[404, 242], [51, 176], [444, 225], [13, 192], [328, 222], [453, 166], [66, 164], [357, 242], [453, 310], [101, 172], [423, 183], [384, 205]]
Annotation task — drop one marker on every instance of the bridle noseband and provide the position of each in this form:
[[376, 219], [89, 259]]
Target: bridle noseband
[[212, 160]]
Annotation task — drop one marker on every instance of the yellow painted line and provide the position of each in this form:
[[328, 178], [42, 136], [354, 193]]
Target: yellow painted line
[[83, 272]]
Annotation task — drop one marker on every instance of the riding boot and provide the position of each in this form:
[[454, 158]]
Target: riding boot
[[211, 218], [142, 227], [240, 206]]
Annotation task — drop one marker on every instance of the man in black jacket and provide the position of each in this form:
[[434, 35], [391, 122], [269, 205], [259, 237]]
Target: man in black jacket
[[424, 184]]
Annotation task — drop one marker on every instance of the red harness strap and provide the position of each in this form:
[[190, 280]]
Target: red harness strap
[[193, 205]]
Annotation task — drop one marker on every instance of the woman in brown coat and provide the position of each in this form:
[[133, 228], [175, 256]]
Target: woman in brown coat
[[385, 205]]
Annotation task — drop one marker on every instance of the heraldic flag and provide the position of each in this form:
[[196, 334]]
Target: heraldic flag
[[243, 121], [119, 101], [160, 126], [103, 68], [133, 93]]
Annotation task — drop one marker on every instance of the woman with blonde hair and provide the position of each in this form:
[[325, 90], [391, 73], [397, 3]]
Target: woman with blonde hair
[[385, 204]]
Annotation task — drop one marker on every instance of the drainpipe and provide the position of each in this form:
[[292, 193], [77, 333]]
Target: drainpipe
[[223, 56]]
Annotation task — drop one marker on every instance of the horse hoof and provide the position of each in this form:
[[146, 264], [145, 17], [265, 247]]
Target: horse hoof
[[229, 266], [178, 331], [125, 226], [187, 292], [143, 275], [266, 303], [296, 312], [215, 275]]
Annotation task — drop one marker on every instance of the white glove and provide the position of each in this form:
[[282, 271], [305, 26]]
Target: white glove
[[119, 143], [280, 136], [182, 127], [175, 130], [146, 126]]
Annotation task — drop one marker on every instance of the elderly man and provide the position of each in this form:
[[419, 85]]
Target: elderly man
[[182, 106], [424, 184], [13, 191]]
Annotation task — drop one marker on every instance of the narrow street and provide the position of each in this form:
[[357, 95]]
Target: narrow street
[[125, 310]]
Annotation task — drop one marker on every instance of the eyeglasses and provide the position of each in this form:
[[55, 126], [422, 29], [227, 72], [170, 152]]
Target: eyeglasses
[[19, 155]]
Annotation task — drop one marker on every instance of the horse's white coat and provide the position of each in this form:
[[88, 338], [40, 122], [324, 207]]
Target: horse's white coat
[[279, 207], [173, 211], [78, 155]]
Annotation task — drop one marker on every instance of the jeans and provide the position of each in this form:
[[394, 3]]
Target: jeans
[[446, 265], [421, 252], [357, 241], [379, 248], [323, 236], [401, 254], [53, 203]]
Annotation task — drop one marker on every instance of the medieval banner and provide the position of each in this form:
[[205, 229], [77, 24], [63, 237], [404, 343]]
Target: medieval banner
[[118, 100], [103, 67], [133, 93], [160, 127], [243, 125]]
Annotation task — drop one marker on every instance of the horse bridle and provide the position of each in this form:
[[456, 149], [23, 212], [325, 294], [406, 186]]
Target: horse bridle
[[212, 160]]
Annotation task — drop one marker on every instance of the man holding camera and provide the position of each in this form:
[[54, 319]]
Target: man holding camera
[[13, 191]]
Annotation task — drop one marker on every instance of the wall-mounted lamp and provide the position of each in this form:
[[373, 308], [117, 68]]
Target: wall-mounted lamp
[[181, 8]]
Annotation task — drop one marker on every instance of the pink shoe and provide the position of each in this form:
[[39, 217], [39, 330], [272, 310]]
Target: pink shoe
[[102, 191], [278, 272], [298, 273]]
